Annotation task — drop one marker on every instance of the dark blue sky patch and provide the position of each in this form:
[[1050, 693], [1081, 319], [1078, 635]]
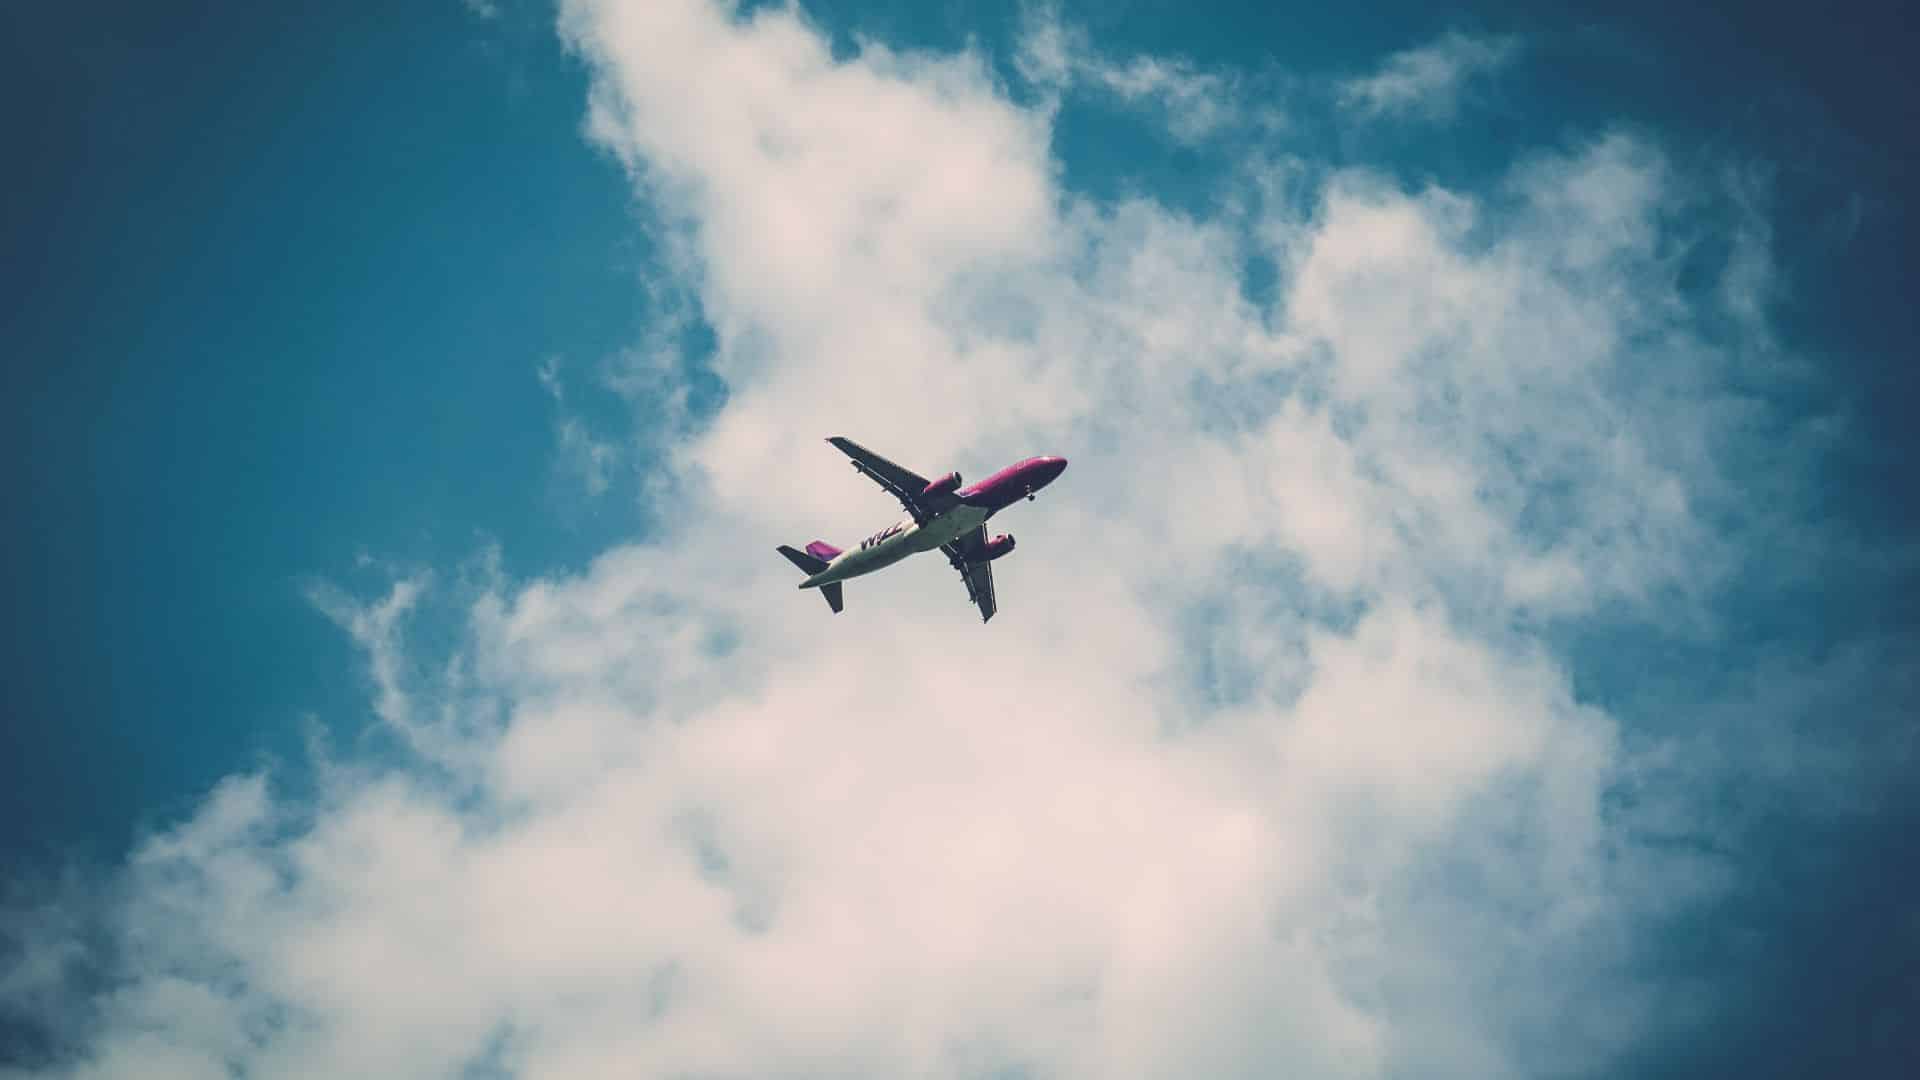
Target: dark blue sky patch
[[267, 302]]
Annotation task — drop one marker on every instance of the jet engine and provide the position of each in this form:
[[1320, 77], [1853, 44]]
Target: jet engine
[[994, 548], [942, 486]]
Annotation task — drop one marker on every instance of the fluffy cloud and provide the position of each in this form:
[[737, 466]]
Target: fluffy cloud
[[1269, 764]]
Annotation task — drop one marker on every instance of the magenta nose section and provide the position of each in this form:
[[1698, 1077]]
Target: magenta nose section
[[1049, 470]]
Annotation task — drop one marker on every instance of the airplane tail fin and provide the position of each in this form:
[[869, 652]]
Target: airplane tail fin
[[806, 561], [811, 564]]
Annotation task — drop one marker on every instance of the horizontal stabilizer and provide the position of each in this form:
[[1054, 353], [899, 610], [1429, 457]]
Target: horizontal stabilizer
[[812, 564], [832, 593]]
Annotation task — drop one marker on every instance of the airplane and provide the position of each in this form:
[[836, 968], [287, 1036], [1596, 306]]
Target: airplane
[[940, 514]]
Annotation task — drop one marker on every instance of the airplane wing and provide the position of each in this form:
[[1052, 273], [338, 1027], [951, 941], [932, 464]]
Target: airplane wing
[[978, 576], [904, 484]]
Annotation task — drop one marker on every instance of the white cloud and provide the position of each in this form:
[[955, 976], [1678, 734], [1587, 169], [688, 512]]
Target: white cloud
[[683, 821], [1197, 103], [1428, 80]]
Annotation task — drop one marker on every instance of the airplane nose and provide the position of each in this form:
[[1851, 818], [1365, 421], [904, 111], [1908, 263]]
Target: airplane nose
[[1055, 466]]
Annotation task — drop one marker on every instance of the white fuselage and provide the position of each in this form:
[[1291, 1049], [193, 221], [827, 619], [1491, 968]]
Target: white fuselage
[[897, 541]]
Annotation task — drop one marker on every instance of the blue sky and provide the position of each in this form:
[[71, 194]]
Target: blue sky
[[427, 385], [236, 271]]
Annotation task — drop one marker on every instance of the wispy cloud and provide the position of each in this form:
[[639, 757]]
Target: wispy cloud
[[582, 456], [1428, 81], [693, 827], [1191, 104]]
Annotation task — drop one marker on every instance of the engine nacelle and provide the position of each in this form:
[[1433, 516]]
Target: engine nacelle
[[994, 548], [942, 486]]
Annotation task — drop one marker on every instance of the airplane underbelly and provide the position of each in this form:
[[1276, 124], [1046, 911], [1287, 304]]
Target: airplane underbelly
[[888, 554], [944, 529], [951, 526], [867, 560]]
